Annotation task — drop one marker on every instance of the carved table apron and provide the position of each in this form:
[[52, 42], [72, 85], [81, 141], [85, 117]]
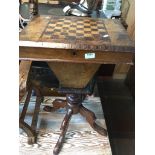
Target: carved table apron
[[74, 48]]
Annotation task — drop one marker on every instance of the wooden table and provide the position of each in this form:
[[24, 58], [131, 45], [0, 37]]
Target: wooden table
[[74, 48]]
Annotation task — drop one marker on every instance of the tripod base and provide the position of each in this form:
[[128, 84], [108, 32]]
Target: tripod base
[[74, 106]]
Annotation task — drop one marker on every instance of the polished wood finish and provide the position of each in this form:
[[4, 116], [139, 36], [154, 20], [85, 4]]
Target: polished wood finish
[[114, 36], [116, 49], [63, 55]]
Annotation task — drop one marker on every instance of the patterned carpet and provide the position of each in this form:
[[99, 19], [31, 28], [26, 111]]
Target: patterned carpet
[[80, 138]]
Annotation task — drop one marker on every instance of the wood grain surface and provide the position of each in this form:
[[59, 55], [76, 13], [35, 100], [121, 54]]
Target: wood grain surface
[[75, 56], [73, 75], [76, 33], [69, 39]]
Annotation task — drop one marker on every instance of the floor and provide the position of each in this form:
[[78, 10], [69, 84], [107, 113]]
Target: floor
[[117, 102], [80, 137]]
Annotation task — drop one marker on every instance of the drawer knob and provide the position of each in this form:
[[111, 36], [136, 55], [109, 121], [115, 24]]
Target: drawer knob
[[74, 53]]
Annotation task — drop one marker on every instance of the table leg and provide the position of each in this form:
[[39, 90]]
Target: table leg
[[36, 109], [31, 130], [90, 117], [33, 10], [57, 104], [22, 124], [30, 133], [64, 127]]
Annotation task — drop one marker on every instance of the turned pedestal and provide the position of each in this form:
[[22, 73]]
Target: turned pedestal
[[74, 106], [74, 79]]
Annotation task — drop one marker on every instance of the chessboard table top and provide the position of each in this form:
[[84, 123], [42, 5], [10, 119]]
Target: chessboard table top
[[78, 33]]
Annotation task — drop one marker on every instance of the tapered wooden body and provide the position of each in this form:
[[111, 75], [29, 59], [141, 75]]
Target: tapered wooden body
[[73, 75]]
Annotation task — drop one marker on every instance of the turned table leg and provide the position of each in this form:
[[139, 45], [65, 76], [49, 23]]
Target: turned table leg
[[64, 127]]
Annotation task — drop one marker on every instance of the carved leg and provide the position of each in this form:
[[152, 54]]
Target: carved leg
[[57, 104], [90, 117], [64, 127]]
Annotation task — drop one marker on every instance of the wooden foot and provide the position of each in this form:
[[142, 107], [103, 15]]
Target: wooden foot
[[30, 133], [57, 104], [90, 117], [48, 108], [64, 127]]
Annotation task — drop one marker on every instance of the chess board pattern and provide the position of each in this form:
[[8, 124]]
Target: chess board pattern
[[77, 33], [79, 29]]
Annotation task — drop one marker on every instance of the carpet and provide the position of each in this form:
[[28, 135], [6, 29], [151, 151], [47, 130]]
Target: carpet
[[80, 138]]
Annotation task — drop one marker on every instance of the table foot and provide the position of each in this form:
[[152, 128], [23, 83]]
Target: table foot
[[57, 104], [64, 127], [48, 108], [90, 117], [30, 133]]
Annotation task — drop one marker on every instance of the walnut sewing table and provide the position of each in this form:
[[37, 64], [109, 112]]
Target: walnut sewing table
[[74, 48]]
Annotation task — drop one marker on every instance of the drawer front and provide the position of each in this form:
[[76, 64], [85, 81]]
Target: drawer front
[[63, 55]]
